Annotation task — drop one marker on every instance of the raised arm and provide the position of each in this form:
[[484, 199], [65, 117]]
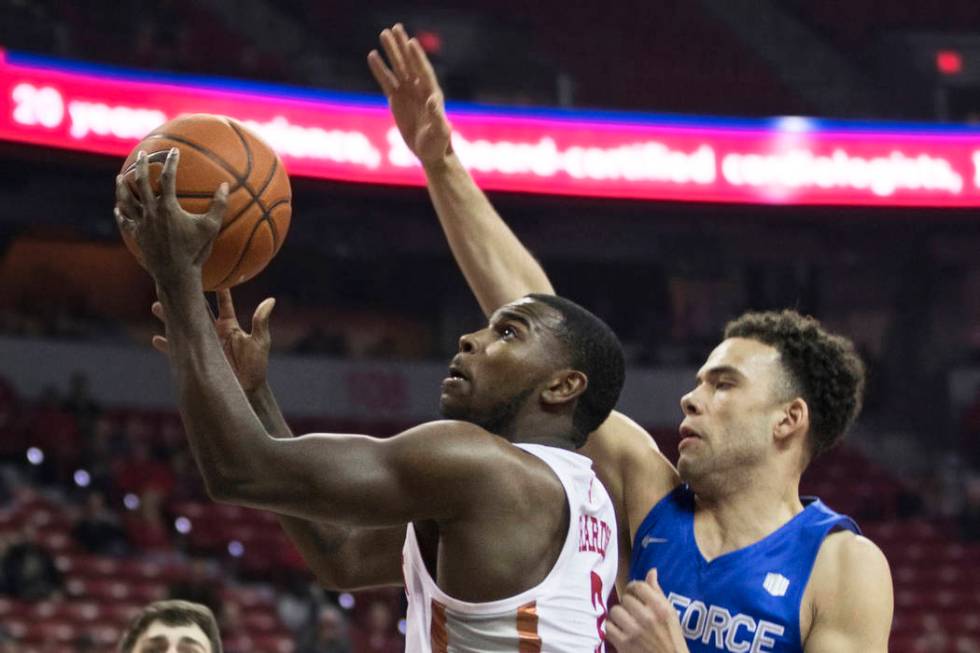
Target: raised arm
[[498, 268]]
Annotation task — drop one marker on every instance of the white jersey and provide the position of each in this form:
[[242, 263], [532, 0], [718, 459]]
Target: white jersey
[[565, 612]]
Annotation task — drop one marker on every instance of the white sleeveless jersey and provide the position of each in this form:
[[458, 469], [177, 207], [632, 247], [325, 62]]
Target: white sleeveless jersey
[[566, 612]]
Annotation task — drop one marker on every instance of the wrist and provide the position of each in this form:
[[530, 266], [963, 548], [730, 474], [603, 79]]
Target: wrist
[[258, 392], [180, 283], [441, 164]]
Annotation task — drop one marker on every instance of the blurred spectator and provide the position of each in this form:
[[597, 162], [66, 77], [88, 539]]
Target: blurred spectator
[[330, 635], [969, 517], [28, 571], [297, 606], [99, 529], [144, 472], [80, 403], [54, 431], [378, 634], [145, 527], [11, 438], [168, 621], [933, 639]]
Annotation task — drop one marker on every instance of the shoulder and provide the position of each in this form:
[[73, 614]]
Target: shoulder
[[850, 593], [631, 465], [469, 456]]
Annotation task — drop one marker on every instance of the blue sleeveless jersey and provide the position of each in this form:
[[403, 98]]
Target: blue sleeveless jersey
[[745, 601]]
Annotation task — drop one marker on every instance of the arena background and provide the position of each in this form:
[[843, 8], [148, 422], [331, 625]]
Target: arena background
[[101, 508]]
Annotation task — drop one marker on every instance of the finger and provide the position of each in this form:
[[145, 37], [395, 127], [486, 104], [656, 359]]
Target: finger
[[226, 306], [421, 67], [395, 58], [615, 635], [168, 178], [124, 198], [401, 41], [143, 189], [124, 223], [652, 580], [437, 110], [385, 78], [158, 312], [160, 344], [260, 320], [645, 594], [622, 619], [219, 204], [641, 613]]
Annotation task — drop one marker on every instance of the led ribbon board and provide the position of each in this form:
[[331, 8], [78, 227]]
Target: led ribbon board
[[352, 138]]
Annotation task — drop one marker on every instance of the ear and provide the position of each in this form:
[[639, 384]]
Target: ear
[[795, 418], [565, 386]]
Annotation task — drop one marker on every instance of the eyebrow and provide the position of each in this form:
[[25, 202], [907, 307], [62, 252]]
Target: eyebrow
[[511, 316], [184, 642], [718, 371]]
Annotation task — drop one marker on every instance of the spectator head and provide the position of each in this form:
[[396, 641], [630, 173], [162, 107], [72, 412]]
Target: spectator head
[[164, 625], [332, 626]]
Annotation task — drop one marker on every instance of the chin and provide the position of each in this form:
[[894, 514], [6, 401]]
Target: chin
[[452, 410]]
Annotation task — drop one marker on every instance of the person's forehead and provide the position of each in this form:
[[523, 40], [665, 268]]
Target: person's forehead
[[747, 356], [530, 309], [190, 632]]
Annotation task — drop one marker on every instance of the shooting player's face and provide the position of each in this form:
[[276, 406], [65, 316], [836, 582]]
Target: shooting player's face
[[499, 368], [730, 415]]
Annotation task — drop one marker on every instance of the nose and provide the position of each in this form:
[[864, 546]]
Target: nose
[[467, 343], [688, 404]]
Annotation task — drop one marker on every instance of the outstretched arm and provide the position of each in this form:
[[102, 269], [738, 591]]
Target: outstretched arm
[[498, 268]]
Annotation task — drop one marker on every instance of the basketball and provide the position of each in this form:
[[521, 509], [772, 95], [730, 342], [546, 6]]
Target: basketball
[[216, 149]]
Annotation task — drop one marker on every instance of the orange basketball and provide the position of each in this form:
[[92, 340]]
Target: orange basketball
[[216, 149]]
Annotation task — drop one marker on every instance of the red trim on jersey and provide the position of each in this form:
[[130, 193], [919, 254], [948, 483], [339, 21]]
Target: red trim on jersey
[[527, 628], [438, 635]]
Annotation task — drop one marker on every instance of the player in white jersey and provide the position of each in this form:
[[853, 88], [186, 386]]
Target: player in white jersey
[[503, 536], [564, 612]]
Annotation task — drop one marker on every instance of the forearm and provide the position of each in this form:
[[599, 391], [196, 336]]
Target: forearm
[[320, 543], [226, 438], [497, 267], [266, 408]]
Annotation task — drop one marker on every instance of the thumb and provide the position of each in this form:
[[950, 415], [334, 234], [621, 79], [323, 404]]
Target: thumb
[[160, 344], [436, 109], [652, 579], [260, 320]]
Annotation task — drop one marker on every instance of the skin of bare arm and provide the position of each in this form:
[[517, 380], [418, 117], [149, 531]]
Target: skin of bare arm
[[499, 269], [356, 480], [342, 557]]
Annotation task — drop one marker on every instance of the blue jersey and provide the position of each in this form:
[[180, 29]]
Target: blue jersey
[[745, 601]]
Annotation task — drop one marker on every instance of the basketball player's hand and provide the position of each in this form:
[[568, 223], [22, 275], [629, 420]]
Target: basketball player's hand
[[248, 353], [644, 621], [413, 94], [173, 242]]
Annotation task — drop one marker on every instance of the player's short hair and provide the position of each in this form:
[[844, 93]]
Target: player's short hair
[[595, 351], [823, 368], [172, 613]]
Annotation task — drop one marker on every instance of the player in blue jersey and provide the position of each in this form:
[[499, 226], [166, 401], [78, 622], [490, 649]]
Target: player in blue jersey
[[725, 554]]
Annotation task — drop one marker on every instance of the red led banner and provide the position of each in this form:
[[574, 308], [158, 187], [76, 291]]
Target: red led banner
[[352, 138]]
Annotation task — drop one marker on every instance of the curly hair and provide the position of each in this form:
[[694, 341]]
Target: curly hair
[[823, 368]]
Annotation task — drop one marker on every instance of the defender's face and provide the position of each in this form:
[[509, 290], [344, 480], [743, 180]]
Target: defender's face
[[499, 367], [730, 415], [161, 638]]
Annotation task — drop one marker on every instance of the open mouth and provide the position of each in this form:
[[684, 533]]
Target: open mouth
[[456, 373]]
